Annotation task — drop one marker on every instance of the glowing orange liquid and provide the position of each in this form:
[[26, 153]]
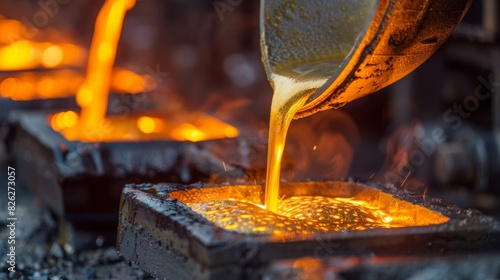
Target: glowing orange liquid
[[287, 99], [64, 83], [18, 53], [191, 127], [292, 88], [92, 96], [93, 126], [238, 208], [297, 215]]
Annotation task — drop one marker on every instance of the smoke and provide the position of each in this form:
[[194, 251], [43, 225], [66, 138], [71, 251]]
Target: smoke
[[320, 147], [407, 150]]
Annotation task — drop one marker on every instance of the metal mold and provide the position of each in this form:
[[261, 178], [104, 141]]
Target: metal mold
[[168, 239]]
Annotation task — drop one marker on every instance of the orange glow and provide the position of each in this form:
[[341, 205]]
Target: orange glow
[[146, 124], [239, 208], [290, 94], [23, 55], [17, 89], [9, 28], [149, 125], [307, 263], [304, 214], [63, 83], [193, 127], [46, 87], [84, 96], [18, 53], [72, 54], [105, 51], [70, 119], [189, 132], [27, 90], [52, 56], [64, 120], [92, 96], [127, 81], [8, 87], [231, 132], [26, 86], [17, 56]]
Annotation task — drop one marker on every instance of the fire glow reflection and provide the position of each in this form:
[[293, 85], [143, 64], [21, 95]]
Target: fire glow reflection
[[192, 127], [64, 83], [340, 207], [49, 49], [24, 54], [92, 124]]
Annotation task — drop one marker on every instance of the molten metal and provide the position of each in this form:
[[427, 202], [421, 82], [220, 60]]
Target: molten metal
[[306, 214], [93, 94], [193, 127]]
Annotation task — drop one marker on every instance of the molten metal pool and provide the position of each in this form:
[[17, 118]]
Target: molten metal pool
[[327, 210]]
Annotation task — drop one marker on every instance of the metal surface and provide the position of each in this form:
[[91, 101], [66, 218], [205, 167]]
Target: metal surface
[[378, 42], [162, 235]]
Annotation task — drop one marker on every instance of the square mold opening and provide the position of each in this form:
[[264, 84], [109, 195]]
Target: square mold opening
[[213, 231], [305, 209], [82, 180]]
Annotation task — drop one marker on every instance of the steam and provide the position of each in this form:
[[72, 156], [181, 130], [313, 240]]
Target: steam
[[403, 159]]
